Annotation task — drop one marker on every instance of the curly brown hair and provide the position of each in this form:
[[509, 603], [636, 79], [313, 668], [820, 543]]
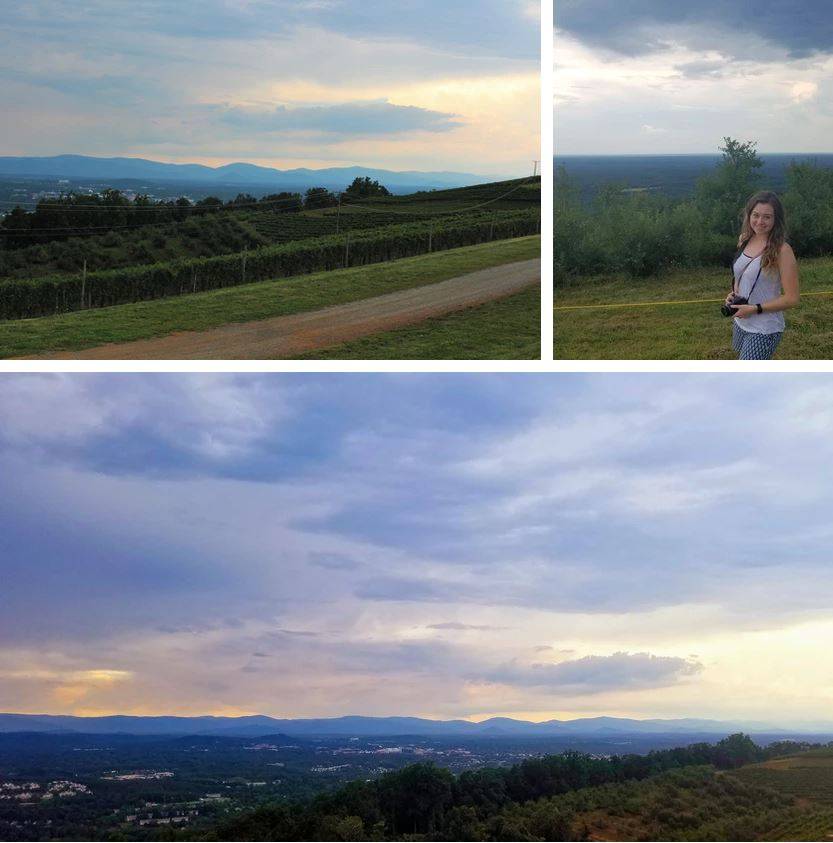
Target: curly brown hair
[[778, 235]]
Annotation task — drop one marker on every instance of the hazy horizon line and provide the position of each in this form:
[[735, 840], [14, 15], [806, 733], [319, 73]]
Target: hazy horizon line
[[414, 717], [229, 163], [668, 154]]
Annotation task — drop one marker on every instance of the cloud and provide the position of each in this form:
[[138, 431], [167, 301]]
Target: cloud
[[451, 86], [456, 626], [352, 526], [494, 27], [702, 68], [802, 27], [596, 674], [405, 589], [180, 421], [333, 561], [360, 119]]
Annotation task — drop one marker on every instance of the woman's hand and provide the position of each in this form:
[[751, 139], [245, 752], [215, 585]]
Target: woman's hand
[[730, 297], [744, 310]]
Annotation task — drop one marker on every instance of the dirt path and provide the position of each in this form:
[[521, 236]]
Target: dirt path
[[286, 336]]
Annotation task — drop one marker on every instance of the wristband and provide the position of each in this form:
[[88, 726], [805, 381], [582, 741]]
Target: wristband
[[760, 309]]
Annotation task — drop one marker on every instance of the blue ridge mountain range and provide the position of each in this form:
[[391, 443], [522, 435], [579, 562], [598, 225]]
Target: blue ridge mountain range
[[85, 166], [256, 725]]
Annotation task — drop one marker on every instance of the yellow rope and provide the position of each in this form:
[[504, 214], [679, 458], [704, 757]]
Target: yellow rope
[[661, 303]]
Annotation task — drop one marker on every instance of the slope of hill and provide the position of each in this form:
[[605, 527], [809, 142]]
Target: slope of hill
[[693, 803], [685, 793], [805, 775], [230, 230]]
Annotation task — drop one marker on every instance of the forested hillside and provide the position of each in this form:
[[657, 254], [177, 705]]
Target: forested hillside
[[690, 793]]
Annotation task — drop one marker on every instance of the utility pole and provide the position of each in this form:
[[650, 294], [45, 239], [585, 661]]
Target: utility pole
[[535, 168], [338, 213], [347, 251]]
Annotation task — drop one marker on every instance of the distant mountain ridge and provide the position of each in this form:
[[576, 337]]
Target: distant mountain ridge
[[254, 725], [86, 166]]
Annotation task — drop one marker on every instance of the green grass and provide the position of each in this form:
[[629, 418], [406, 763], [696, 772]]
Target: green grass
[[683, 331], [508, 329], [263, 300]]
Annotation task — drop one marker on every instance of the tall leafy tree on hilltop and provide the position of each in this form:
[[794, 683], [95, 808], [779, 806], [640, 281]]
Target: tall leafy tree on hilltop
[[722, 194], [361, 187]]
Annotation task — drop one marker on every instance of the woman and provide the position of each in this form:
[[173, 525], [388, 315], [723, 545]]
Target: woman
[[766, 274]]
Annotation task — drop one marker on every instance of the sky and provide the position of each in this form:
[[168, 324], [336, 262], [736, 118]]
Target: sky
[[415, 85], [650, 76], [445, 546]]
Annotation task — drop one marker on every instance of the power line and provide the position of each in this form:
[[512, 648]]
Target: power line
[[622, 305]]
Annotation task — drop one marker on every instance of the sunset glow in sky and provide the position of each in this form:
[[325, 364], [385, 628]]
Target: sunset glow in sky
[[436, 545], [451, 85], [649, 76]]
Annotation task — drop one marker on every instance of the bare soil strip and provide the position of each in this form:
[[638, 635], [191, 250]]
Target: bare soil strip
[[286, 336]]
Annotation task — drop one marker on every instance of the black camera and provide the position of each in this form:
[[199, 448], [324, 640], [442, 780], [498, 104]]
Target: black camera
[[731, 309]]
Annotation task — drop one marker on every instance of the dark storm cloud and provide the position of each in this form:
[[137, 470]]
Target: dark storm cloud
[[800, 27]]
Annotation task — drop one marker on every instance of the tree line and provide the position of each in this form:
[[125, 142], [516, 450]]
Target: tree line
[[70, 214]]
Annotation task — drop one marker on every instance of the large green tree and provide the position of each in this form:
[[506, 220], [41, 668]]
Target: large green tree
[[722, 194], [362, 187]]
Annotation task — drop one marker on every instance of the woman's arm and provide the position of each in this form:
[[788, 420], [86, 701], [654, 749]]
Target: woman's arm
[[789, 285]]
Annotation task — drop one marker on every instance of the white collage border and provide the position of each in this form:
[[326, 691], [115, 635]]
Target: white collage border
[[546, 364]]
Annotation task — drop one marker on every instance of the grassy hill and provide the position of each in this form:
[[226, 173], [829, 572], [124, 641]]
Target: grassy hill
[[239, 245], [229, 230], [266, 299], [506, 329], [623, 318], [788, 798]]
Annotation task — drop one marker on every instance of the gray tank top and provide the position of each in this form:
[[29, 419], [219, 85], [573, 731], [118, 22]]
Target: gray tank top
[[768, 287]]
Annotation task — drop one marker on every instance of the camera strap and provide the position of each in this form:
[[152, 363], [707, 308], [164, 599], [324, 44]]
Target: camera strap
[[736, 284]]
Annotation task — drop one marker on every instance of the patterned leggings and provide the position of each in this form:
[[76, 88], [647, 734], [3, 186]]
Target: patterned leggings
[[750, 346]]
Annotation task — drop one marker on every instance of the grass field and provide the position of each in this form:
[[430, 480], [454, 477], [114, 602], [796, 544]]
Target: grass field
[[508, 329], [200, 311], [681, 331]]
